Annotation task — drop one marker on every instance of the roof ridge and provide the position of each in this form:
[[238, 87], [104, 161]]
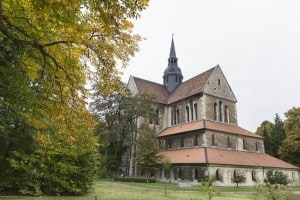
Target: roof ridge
[[194, 77], [148, 81]]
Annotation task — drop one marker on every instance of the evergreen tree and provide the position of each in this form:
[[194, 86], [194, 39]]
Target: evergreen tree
[[290, 148], [278, 135]]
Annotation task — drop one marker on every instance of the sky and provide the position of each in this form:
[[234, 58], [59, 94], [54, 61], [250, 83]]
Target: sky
[[255, 42]]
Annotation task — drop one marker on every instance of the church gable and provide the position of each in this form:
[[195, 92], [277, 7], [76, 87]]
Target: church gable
[[218, 86]]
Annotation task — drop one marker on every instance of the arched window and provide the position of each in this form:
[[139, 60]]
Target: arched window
[[256, 146], [253, 175], [157, 116], [226, 114], [234, 174], [172, 117], [228, 142], [169, 143], [195, 139], [215, 111], [187, 109], [192, 113], [177, 117], [244, 144], [213, 142], [218, 175], [220, 111], [196, 111], [181, 141]]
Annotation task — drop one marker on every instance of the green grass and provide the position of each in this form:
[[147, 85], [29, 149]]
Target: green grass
[[108, 190]]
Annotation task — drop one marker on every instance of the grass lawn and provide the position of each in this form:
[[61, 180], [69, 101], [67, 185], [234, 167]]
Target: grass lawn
[[107, 190]]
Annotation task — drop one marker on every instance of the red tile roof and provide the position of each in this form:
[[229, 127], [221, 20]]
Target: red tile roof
[[206, 124], [224, 157], [160, 94], [156, 91], [190, 87]]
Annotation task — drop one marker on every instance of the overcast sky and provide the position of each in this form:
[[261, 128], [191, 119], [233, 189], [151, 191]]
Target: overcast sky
[[255, 42]]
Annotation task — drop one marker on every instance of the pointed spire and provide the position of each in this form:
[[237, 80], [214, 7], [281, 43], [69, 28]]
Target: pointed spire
[[172, 74], [172, 50]]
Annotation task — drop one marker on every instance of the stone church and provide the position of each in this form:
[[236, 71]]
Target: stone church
[[198, 129]]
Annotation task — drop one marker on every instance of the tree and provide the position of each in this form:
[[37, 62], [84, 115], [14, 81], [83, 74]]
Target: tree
[[166, 165], [276, 177], [48, 145], [290, 148], [147, 149], [274, 186], [278, 135], [118, 115], [273, 134], [207, 189], [239, 178], [265, 130]]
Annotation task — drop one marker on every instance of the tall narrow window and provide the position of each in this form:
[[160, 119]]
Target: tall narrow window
[[253, 175], [172, 116], [234, 174], [187, 113], [157, 117], [225, 114], [217, 174], [244, 144], [215, 111], [213, 142], [228, 142], [177, 117], [169, 143], [220, 111], [219, 82], [181, 141], [196, 111], [195, 139], [192, 113], [256, 146]]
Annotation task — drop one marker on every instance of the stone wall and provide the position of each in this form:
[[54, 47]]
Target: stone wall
[[223, 175], [209, 107]]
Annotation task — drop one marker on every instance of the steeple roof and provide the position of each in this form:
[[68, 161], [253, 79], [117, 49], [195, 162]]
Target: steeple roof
[[172, 50], [172, 62]]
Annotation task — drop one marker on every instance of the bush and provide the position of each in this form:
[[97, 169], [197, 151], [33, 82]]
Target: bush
[[135, 179], [276, 177]]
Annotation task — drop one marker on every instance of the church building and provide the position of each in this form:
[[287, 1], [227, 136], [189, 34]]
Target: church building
[[198, 129]]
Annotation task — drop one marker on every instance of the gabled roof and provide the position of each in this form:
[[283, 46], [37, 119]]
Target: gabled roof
[[206, 124], [155, 91], [190, 87], [204, 155], [160, 94]]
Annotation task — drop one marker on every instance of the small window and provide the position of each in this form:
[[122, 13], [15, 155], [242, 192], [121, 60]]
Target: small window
[[181, 141], [253, 175], [244, 144], [228, 142], [172, 117], [169, 143], [213, 142], [234, 174], [187, 109], [226, 114], [215, 111], [176, 79], [220, 111], [177, 117], [256, 146], [192, 112], [157, 117], [195, 139], [196, 111], [218, 175], [219, 82]]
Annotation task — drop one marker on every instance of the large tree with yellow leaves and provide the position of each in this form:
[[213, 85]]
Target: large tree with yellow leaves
[[49, 51]]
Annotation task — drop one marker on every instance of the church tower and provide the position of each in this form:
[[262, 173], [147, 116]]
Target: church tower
[[172, 74]]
